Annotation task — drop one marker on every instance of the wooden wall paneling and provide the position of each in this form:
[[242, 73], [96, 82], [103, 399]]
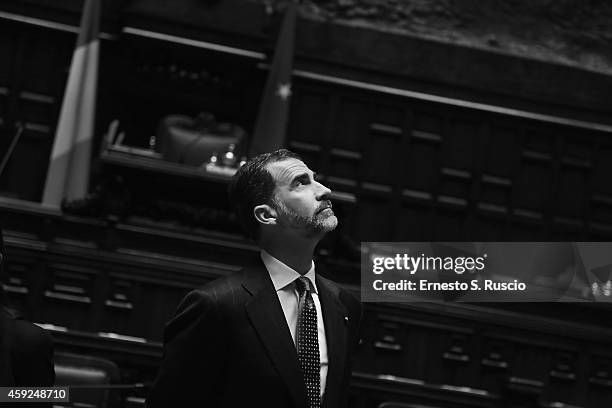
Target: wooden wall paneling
[[17, 284], [154, 289], [501, 147], [427, 140], [455, 184], [310, 153], [488, 224], [553, 204], [450, 219], [600, 204], [344, 167], [142, 306], [121, 296], [533, 186], [378, 174], [385, 134], [413, 223], [602, 166], [341, 155], [352, 121], [160, 297], [526, 225], [589, 155], [460, 359], [379, 168], [437, 352], [401, 171], [443, 352], [383, 153], [567, 229], [126, 292], [599, 379], [371, 391], [544, 146], [566, 378], [389, 346], [30, 269], [70, 296], [576, 168], [530, 363], [461, 140], [212, 248], [495, 193], [329, 136], [437, 222], [492, 184], [375, 222], [494, 359], [515, 160], [309, 114], [421, 173], [345, 163], [84, 232], [374, 204]]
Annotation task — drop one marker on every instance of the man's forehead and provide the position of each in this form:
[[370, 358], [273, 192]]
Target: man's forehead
[[285, 170]]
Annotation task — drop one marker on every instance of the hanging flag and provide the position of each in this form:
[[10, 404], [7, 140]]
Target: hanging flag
[[68, 173], [271, 122]]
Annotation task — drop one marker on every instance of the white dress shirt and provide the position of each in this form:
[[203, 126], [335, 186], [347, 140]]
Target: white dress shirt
[[283, 278]]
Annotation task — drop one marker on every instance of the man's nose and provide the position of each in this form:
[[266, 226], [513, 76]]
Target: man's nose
[[323, 192]]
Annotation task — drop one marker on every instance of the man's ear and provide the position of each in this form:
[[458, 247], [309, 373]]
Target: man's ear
[[265, 214]]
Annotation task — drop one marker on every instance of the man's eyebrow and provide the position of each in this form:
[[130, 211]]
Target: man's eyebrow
[[299, 176]]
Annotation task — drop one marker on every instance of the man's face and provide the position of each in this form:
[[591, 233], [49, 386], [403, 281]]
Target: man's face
[[301, 202]]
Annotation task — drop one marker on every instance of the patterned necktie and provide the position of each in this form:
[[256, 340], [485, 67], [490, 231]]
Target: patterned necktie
[[308, 342]]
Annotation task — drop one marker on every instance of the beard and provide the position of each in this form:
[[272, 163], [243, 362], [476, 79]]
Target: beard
[[320, 223]]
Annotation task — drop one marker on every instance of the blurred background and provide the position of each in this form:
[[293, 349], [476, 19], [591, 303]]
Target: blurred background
[[121, 122]]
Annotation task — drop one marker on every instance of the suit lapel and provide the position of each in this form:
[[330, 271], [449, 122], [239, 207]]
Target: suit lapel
[[335, 332], [266, 316]]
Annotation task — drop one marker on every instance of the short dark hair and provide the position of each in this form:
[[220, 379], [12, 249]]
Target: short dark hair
[[253, 185]]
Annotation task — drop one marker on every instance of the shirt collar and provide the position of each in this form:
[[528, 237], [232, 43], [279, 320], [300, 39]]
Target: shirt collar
[[283, 275]]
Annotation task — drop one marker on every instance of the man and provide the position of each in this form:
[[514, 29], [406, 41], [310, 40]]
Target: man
[[275, 334]]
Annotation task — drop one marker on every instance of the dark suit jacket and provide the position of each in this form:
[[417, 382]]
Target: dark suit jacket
[[26, 354], [229, 346]]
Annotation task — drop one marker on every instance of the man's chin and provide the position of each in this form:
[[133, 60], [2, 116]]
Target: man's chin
[[329, 223]]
